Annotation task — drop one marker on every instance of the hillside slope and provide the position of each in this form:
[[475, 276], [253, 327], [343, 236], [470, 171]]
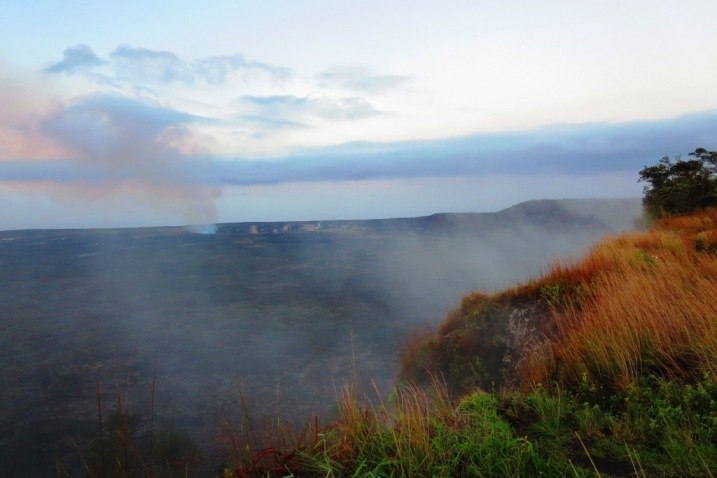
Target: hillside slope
[[633, 303], [593, 214], [605, 365]]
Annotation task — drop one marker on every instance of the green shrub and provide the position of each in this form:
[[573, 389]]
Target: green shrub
[[681, 186]]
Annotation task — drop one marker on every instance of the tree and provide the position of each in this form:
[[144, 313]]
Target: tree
[[681, 186]]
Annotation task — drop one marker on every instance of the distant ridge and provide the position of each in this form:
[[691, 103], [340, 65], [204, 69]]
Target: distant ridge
[[613, 214], [620, 214]]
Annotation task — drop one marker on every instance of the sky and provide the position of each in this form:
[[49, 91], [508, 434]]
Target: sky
[[156, 113]]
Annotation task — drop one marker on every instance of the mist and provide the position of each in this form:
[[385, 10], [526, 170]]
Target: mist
[[287, 312]]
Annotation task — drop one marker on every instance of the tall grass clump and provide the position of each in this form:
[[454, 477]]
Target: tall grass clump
[[651, 311], [130, 445], [268, 447], [420, 432]]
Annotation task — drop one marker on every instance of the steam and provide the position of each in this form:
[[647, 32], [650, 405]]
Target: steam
[[136, 148], [23, 101], [203, 228]]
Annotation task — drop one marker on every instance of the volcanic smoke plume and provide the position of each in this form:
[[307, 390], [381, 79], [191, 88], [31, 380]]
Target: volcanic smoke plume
[[138, 149]]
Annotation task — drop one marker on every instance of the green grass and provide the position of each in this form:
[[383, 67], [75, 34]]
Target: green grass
[[420, 435], [658, 427], [666, 427]]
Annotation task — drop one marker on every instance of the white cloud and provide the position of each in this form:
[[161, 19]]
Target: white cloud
[[140, 66], [281, 111], [76, 59], [360, 79]]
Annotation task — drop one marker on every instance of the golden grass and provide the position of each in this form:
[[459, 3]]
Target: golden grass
[[690, 224], [647, 303], [398, 432], [636, 303]]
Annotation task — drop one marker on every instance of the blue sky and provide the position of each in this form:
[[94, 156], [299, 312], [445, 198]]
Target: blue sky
[[144, 113]]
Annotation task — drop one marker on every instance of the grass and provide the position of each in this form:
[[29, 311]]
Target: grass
[[663, 426], [268, 448], [657, 427], [423, 433], [129, 445], [647, 310]]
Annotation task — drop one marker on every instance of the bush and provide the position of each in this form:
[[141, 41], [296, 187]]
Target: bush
[[681, 186]]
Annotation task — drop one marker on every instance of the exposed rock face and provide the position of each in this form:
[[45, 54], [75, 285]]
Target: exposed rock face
[[525, 332], [485, 343]]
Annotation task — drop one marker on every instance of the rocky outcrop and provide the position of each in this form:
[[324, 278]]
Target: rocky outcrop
[[485, 344]]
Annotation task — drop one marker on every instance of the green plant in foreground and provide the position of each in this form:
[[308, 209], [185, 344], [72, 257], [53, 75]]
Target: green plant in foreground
[[658, 426], [424, 435], [655, 427]]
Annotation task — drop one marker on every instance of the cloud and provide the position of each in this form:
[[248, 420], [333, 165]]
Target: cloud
[[271, 123], [113, 128], [138, 66], [76, 59], [360, 79], [216, 69], [145, 65], [553, 150], [281, 111], [121, 140]]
